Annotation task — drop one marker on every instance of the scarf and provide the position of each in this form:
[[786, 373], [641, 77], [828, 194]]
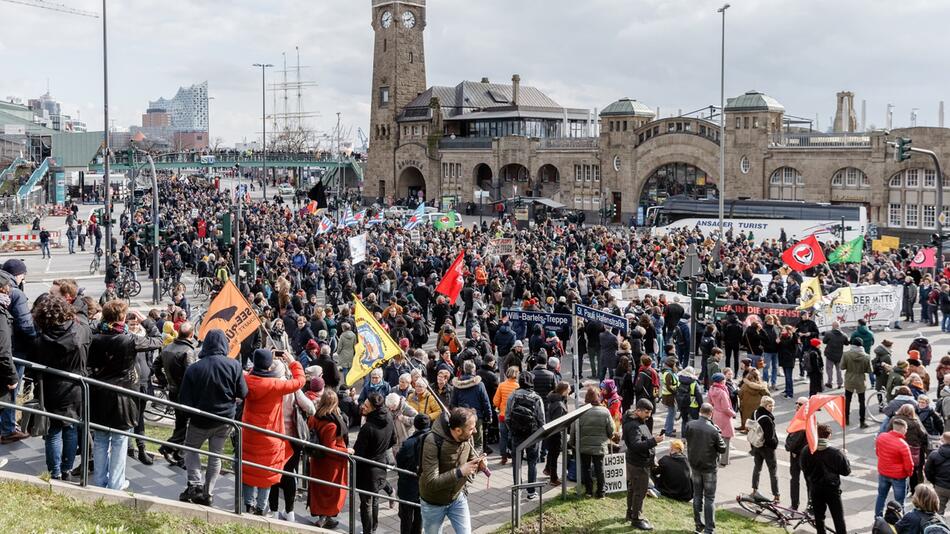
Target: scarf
[[4, 300], [118, 327], [822, 444]]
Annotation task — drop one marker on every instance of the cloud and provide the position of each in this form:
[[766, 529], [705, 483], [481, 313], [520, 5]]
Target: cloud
[[584, 54]]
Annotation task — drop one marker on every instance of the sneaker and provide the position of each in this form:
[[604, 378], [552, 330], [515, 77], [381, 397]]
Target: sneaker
[[532, 496], [124, 486], [641, 524], [203, 499], [290, 517]]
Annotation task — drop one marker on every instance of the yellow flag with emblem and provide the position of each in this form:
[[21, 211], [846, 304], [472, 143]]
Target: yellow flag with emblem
[[374, 347], [811, 294]]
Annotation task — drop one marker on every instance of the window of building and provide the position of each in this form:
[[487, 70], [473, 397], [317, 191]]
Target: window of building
[[587, 173], [702, 130], [596, 201], [596, 172], [894, 215], [410, 57], [385, 44], [910, 216], [384, 96], [775, 178], [745, 165], [745, 123], [911, 178], [837, 180], [895, 181], [642, 137], [578, 201], [930, 179], [415, 131], [458, 170], [930, 216], [688, 127], [445, 170], [755, 122], [578, 174]]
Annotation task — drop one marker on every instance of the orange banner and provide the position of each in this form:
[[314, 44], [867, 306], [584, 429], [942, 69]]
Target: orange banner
[[805, 418], [230, 312]]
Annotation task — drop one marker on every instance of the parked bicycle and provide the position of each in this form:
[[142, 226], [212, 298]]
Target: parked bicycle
[[773, 512], [202, 288], [96, 262], [157, 411]]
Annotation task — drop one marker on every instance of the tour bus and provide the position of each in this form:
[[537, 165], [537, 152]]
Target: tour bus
[[765, 219]]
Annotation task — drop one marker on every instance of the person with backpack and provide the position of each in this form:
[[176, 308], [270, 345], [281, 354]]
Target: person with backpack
[[764, 441], [925, 517], [823, 470], [524, 414], [447, 464], [669, 382], [937, 471], [689, 397], [407, 487], [795, 443], [856, 365]]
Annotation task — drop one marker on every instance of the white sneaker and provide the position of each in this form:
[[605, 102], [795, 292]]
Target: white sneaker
[[280, 516], [3, 462], [290, 517], [125, 485]]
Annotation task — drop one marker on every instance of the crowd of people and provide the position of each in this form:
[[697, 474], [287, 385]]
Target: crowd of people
[[471, 382]]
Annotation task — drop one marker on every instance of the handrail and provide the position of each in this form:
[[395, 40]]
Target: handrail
[[239, 426]]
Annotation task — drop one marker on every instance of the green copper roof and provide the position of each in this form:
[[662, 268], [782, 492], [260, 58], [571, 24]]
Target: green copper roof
[[627, 106], [754, 101]]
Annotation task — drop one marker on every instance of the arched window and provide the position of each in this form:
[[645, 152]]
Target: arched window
[[850, 177], [786, 183]]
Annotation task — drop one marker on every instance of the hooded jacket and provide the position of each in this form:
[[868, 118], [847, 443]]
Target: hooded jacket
[[441, 480], [214, 383], [64, 347], [469, 392], [376, 437], [504, 338], [866, 337], [856, 365]]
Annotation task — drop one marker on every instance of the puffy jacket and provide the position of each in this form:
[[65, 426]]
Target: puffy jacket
[[544, 380], [8, 374], [705, 445], [937, 468], [426, 404], [441, 480], [504, 338], [893, 455], [214, 383], [469, 392], [834, 341], [596, 427], [500, 399], [176, 358], [24, 332], [112, 358], [641, 445]]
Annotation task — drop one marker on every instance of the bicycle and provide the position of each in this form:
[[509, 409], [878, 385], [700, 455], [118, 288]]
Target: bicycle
[[773, 512], [202, 288], [96, 262], [156, 411], [127, 288]]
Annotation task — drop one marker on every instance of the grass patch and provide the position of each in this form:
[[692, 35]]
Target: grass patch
[[164, 432], [27, 508], [577, 514]]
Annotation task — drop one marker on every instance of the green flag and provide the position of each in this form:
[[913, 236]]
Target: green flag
[[445, 222], [850, 252]]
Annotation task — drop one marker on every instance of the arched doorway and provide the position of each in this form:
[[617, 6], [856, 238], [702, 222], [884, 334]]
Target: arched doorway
[[548, 182], [673, 179], [483, 179], [412, 184], [514, 179]]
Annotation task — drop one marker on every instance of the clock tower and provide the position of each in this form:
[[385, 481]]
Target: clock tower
[[399, 75]]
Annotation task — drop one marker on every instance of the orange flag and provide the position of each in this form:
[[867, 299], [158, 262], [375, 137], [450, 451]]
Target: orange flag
[[230, 311], [454, 279], [805, 418]]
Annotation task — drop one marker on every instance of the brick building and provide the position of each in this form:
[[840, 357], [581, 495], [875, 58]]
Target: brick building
[[488, 140]]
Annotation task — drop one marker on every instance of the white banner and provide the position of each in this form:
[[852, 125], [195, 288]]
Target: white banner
[[624, 296], [358, 248], [878, 305], [503, 246], [615, 473]]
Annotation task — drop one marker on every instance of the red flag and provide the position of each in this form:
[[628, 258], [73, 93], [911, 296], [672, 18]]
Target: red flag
[[925, 258], [805, 418], [804, 255], [454, 279]]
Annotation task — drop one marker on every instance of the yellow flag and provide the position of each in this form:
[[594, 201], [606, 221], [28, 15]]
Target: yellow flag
[[230, 312], [374, 347], [811, 294], [844, 297]]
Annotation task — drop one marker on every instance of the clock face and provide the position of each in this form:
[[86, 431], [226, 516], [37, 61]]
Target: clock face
[[408, 19], [387, 19]]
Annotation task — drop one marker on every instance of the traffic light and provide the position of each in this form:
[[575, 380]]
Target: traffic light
[[224, 224], [682, 287], [902, 149], [717, 300]]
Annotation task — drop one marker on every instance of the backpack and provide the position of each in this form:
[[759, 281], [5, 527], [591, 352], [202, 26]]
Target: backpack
[[684, 395], [520, 419], [756, 434], [439, 440], [934, 525]]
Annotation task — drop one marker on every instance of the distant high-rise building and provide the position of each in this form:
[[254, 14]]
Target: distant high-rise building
[[187, 111]]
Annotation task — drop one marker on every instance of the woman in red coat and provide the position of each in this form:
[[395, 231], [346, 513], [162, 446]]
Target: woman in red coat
[[327, 501], [264, 407]]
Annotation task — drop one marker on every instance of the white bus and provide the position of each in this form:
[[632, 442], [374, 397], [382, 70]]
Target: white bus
[[765, 219]]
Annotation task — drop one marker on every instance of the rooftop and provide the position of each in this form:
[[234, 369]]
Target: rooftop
[[754, 101], [468, 97], [627, 107]]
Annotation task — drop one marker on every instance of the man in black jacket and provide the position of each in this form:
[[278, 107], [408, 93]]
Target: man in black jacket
[[937, 471], [835, 341], [544, 378], [8, 375], [174, 361], [214, 384], [641, 448], [555, 405], [705, 446], [795, 442], [823, 470], [407, 488], [732, 339], [376, 437], [23, 335]]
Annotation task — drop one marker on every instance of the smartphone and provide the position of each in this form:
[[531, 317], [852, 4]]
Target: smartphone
[[663, 432]]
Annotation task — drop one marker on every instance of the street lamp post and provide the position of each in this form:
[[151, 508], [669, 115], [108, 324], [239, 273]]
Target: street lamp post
[[722, 126], [263, 67], [156, 254], [107, 148]]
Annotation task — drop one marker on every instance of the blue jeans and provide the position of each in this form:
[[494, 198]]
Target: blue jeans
[[789, 382], [457, 513], [62, 440], [44, 250], [531, 458], [770, 371], [256, 497], [924, 312], [704, 500], [884, 485], [755, 360], [945, 325], [504, 445], [108, 451], [670, 419], [7, 415]]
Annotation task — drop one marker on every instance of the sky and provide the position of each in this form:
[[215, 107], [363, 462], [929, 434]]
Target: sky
[[665, 53]]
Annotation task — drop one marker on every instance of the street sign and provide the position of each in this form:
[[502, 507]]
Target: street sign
[[609, 320], [559, 322], [691, 267]]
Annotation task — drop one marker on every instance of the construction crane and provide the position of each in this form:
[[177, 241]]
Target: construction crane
[[364, 142], [42, 4]]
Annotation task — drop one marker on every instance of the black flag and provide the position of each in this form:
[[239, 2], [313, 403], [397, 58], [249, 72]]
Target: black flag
[[319, 194]]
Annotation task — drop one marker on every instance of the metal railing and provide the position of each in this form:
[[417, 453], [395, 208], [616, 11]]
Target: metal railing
[[516, 489], [819, 140], [239, 426]]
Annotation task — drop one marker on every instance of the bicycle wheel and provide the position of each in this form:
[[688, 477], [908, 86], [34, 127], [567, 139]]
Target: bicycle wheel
[[133, 288], [763, 510], [156, 411], [93, 266]]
